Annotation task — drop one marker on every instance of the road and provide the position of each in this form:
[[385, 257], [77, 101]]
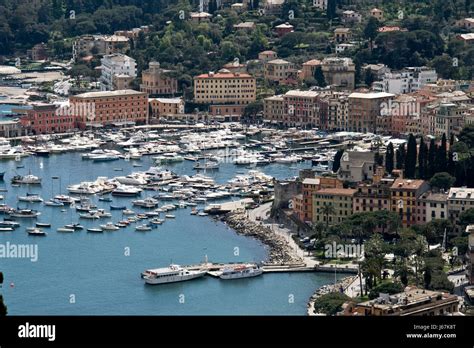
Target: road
[[261, 215]]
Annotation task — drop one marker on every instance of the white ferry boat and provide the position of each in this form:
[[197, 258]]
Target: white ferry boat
[[171, 274], [242, 271]]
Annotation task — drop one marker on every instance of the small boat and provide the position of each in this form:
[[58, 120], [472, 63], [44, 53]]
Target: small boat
[[109, 226], [54, 203], [25, 213], [194, 211], [9, 224], [143, 228], [31, 198], [118, 207], [89, 215], [105, 199], [75, 227], [6, 229], [156, 221], [170, 216], [95, 230], [124, 222], [36, 232], [128, 212], [27, 180], [121, 225], [43, 224], [243, 271], [65, 230], [203, 214]]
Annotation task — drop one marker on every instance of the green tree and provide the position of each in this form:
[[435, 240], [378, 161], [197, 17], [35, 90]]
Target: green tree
[[389, 158], [441, 157], [319, 77], [337, 161], [386, 288], [431, 158], [442, 181], [400, 156], [422, 160], [369, 77], [371, 29], [331, 9], [327, 210], [330, 303], [466, 217], [410, 159]]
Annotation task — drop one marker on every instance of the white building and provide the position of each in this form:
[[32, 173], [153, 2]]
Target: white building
[[436, 205], [406, 81], [321, 4], [344, 47], [116, 68]]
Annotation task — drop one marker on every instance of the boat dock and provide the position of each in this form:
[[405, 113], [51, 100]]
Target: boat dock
[[227, 207]]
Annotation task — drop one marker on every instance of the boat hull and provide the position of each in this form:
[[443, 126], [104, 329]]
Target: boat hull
[[173, 279]]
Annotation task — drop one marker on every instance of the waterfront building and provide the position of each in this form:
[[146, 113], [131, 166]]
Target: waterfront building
[[304, 201], [274, 110], [93, 45], [341, 201], [338, 111], [123, 107], [224, 87], [364, 109], [48, 119], [162, 107], [302, 109], [117, 72], [357, 166], [339, 72], [436, 205], [226, 112], [405, 201], [408, 80], [155, 82], [411, 302], [11, 129], [280, 71], [460, 199]]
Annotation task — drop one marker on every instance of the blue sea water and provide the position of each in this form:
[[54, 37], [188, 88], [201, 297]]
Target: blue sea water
[[93, 274]]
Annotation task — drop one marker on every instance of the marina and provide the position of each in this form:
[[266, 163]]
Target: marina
[[155, 210]]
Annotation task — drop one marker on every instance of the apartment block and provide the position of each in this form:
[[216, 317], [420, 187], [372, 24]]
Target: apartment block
[[408, 80], [281, 72], [117, 72], [460, 199], [274, 110], [339, 199], [364, 108], [224, 88], [123, 107], [302, 109], [339, 72], [87, 45], [405, 200], [436, 205], [166, 106], [357, 166], [47, 119]]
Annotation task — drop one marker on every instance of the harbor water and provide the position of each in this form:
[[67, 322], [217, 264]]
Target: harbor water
[[84, 273]]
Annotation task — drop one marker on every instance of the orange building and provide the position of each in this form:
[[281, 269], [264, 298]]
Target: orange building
[[404, 195], [110, 108]]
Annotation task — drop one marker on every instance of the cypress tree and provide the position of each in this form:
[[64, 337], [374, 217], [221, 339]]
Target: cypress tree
[[422, 160], [431, 159], [400, 156], [319, 77], [440, 160], [451, 169], [337, 161], [410, 159], [389, 158]]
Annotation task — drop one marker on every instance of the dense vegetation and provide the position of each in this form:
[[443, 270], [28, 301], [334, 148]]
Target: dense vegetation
[[197, 47]]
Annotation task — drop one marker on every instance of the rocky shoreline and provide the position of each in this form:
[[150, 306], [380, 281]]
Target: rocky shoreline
[[280, 253], [326, 289]]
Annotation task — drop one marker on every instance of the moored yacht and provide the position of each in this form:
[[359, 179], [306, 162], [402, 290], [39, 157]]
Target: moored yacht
[[171, 274], [242, 271]]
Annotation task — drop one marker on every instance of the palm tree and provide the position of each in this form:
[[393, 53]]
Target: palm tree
[[327, 210]]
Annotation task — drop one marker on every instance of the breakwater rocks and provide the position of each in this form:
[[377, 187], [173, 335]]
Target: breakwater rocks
[[280, 253], [342, 284]]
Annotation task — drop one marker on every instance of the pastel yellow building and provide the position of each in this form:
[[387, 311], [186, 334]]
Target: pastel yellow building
[[225, 88], [339, 199]]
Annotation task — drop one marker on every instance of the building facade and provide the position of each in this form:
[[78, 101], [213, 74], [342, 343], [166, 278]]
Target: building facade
[[48, 119], [156, 82], [225, 88], [339, 199], [405, 200], [117, 72], [110, 108]]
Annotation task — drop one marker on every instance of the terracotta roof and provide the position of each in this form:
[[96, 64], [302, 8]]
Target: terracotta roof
[[407, 184], [223, 76]]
